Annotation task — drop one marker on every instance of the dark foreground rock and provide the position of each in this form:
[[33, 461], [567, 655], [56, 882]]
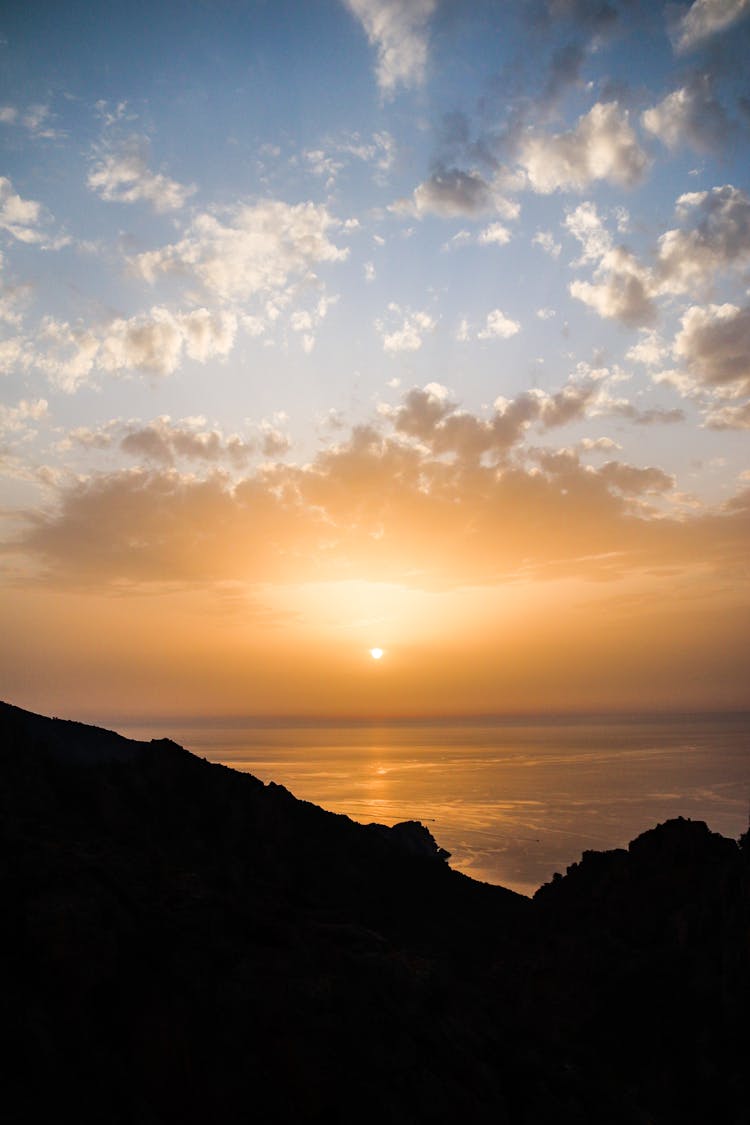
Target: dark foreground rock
[[181, 943]]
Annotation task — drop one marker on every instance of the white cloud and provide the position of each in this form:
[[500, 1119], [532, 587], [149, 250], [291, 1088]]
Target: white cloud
[[546, 241], [495, 233], [621, 290], [35, 118], [705, 18], [124, 177], [585, 224], [650, 349], [545, 314], [152, 344], [254, 252], [323, 165], [19, 217], [714, 237], [602, 146], [398, 31], [408, 336], [15, 418], [498, 326], [690, 115]]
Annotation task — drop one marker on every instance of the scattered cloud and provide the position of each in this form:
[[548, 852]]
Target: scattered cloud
[[703, 19], [729, 417], [546, 241], [452, 193], [256, 251], [408, 336], [123, 176], [621, 289], [494, 235], [17, 418], [163, 441], [498, 326], [714, 344], [35, 118], [602, 146], [398, 31], [714, 237], [690, 115], [151, 344], [20, 218]]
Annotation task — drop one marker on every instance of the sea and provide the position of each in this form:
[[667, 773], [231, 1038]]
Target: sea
[[512, 800]]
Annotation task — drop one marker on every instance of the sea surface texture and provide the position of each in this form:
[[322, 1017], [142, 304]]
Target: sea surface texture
[[512, 802]]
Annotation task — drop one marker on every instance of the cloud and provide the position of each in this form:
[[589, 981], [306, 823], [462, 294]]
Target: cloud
[[602, 146], [705, 18], [305, 321], [398, 31], [429, 415], [494, 235], [21, 218], [633, 480], [408, 336], [650, 349], [124, 177], [165, 442], [256, 251], [452, 193], [690, 115], [152, 344], [714, 237], [621, 290], [653, 416], [35, 118], [323, 166], [385, 507], [17, 418], [498, 326], [585, 224], [729, 417], [714, 344], [546, 241]]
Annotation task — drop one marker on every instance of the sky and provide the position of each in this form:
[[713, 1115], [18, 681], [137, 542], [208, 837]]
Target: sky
[[419, 325]]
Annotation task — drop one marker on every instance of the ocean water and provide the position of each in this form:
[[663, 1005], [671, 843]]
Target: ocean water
[[512, 802]]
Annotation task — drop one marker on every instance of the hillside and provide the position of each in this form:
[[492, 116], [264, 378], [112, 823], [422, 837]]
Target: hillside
[[184, 943]]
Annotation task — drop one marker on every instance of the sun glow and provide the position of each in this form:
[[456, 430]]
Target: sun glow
[[376, 653]]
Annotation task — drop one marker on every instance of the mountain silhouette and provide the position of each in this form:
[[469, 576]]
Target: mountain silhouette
[[182, 943]]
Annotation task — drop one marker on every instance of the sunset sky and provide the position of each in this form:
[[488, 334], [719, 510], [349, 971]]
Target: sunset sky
[[331, 325]]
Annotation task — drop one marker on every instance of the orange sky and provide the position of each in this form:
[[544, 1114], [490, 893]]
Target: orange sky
[[491, 590]]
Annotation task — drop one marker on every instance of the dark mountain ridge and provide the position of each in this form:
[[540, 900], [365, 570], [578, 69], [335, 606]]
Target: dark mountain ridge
[[184, 943]]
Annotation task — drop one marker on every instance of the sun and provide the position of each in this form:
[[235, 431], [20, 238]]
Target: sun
[[376, 653]]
